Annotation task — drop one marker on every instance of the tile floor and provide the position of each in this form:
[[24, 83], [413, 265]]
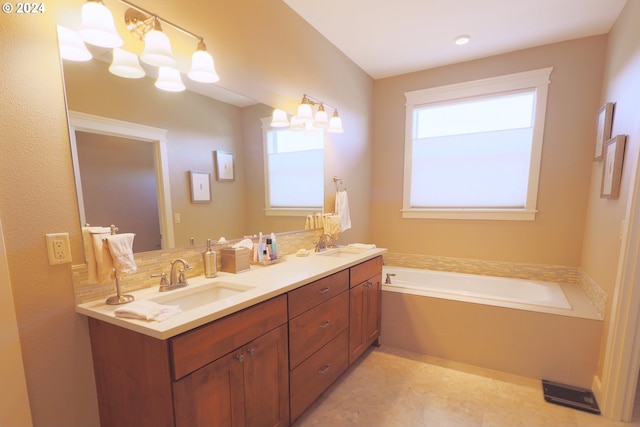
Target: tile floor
[[395, 388]]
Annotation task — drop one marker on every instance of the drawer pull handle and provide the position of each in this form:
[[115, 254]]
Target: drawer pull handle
[[324, 290], [251, 351], [324, 369], [240, 357], [325, 324]]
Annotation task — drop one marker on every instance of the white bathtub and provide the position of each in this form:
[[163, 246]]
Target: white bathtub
[[442, 284], [527, 328]]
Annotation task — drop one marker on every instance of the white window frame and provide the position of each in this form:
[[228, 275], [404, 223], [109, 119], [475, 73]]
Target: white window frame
[[268, 210], [535, 79]]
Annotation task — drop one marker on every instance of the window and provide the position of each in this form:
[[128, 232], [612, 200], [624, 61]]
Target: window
[[473, 150], [294, 171]]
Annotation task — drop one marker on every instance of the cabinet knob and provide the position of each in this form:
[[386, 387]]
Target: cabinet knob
[[251, 351], [325, 324], [324, 290], [240, 357], [324, 369], [369, 284]]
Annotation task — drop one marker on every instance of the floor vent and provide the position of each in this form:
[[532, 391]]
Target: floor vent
[[573, 397]]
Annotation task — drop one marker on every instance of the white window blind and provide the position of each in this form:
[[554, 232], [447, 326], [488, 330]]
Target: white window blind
[[473, 150], [294, 170]]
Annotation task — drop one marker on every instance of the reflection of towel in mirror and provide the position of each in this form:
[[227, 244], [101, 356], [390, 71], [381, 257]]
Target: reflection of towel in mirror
[[89, 253], [342, 209], [147, 310], [121, 249], [104, 263], [309, 223], [332, 224]]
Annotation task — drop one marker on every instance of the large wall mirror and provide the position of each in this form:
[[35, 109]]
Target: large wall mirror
[[197, 125]]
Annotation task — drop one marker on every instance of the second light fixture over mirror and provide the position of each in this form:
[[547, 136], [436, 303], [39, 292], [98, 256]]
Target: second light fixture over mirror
[[306, 120], [98, 29]]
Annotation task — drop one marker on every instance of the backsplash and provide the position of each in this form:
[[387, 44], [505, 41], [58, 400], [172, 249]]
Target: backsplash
[[160, 261]]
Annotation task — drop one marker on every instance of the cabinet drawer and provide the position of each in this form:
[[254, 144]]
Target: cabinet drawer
[[317, 373], [308, 296], [313, 329], [365, 270], [196, 348]]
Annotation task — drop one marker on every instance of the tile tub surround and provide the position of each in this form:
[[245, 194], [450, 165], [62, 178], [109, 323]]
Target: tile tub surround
[[389, 387], [547, 273], [158, 261], [526, 343]]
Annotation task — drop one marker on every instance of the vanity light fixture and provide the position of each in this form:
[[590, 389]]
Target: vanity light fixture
[[169, 79], [157, 47], [306, 120], [125, 64], [202, 68], [97, 26], [71, 45]]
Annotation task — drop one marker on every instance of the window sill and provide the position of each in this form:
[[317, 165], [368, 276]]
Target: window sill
[[480, 214]]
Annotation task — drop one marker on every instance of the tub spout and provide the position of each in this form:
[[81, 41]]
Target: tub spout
[[387, 281]]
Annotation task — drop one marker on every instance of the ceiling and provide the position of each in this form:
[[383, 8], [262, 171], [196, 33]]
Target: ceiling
[[391, 38]]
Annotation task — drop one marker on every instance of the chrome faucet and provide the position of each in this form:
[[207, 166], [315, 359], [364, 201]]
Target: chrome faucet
[[387, 281], [322, 243]]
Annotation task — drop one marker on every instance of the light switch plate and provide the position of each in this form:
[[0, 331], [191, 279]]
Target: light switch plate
[[58, 248]]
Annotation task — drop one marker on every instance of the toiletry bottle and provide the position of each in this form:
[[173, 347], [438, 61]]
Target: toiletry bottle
[[274, 246], [209, 261]]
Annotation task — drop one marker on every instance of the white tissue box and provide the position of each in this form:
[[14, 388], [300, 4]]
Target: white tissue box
[[235, 260]]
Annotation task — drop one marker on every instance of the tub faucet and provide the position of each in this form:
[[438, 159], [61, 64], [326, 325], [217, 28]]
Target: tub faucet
[[387, 281]]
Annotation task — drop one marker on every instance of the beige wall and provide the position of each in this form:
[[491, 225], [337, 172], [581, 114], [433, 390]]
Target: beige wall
[[604, 218], [555, 237], [280, 58]]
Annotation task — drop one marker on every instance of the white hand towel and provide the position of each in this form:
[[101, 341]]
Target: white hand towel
[[121, 249], [104, 262], [308, 225], [342, 209], [319, 223], [89, 253], [147, 310]]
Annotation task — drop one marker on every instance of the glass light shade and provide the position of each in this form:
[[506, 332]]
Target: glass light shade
[[297, 123], [169, 79], [157, 50], [309, 130], [279, 119], [202, 68], [304, 112], [335, 124], [125, 64], [72, 47], [321, 119], [97, 26]]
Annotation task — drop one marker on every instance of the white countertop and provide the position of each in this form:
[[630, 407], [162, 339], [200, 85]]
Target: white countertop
[[267, 282]]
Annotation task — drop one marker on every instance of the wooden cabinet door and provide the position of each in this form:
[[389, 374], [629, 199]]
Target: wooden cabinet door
[[213, 395], [364, 316], [373, 293], [266, 379], [357, 310]]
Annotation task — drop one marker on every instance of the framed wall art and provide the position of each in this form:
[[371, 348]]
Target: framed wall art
[[224, 166], [603, 128], [613, 155], [200, 186]]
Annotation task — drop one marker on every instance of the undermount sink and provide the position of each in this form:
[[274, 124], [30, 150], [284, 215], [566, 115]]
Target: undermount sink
[[342, 251], [190, 298]]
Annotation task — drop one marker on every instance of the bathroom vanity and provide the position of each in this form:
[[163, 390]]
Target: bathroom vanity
[[258, 358]]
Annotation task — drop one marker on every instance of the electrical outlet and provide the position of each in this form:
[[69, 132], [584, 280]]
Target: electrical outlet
[[58, 248]]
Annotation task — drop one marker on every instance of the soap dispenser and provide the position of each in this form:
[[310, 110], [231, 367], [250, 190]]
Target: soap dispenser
[[209, 261]]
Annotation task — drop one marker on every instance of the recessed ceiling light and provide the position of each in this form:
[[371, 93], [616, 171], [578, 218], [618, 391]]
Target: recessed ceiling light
[[460, 40]]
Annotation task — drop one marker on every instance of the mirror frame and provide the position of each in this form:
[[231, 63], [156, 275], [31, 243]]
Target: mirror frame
[[105, 126]]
